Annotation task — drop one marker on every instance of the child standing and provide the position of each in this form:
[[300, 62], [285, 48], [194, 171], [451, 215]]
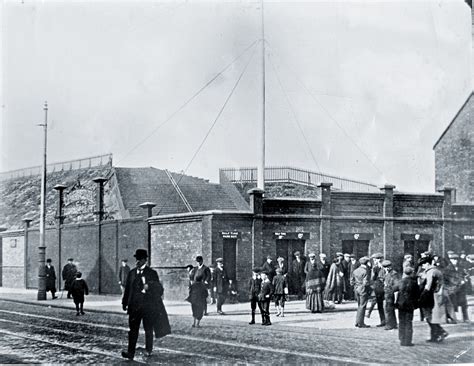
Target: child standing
[[254, 290], [198, 298], [78, 290], [264, 298], [280, 287]]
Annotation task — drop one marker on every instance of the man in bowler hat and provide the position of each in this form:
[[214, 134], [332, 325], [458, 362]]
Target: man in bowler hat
[[50, 278], [220, 283], [142, 300]]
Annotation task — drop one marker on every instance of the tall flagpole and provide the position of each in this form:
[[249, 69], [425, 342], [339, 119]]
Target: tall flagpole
[[261, 163], [42, 242]]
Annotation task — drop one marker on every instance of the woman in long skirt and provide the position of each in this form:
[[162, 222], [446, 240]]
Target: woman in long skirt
[[315, 282]]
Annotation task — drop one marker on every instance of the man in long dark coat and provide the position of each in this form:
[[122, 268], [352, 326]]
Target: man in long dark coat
[[69, 275], [298, 276], [220, 283], [377, 281], [50, 278], [391, 280], [142, 301]]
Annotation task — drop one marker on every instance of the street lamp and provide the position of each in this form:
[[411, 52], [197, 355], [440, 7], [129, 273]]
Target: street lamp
[[100, 212], [149, 207], [60, 217]]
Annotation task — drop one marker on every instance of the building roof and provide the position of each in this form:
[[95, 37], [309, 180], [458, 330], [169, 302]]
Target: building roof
[[138, 185], [469, 103]]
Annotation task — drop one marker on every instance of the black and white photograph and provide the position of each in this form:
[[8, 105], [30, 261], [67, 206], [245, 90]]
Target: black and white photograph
[[237, 182]]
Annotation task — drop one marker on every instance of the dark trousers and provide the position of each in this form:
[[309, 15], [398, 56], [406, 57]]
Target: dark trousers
[[135, 317], [405, 327], [379, 299], [361, 306], [220, 301], [264, 307], [253, 306], [79, 306], [390, 317]]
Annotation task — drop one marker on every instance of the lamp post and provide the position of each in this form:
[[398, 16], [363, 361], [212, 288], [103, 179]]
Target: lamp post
[[60, 217], [27, 222], [42, 241], [149, 206], [100, 212]]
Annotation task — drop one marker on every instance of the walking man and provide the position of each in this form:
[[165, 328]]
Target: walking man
[[220, 284], [50, 278], [69, 275], [377, 280], [142, 301], [360, 281], [390, 283], [123, 274]]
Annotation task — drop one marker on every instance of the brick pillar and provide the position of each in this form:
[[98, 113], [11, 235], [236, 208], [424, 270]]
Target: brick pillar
[[256, 206], [325, 228], [447, 242], [388, 236]]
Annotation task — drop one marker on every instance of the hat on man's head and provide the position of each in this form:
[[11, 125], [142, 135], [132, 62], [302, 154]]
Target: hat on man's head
[[322, 255], [264, 272], [297, 253], [462, 252], [347, 254], [312, 255], [48, 260], [454, 256], [339, 254], [424, 260], [449, 252], [257, 270], [386, 263], [279, 270], [70, 259], [407, 256], [364, 260], [269, 257], [125, 260], [141, 254], [352, 255], [408, 270], [377, 255], [78, 274], [199, 258], [220, 260], [280, 259]]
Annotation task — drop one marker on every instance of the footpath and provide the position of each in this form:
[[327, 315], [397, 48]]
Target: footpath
[[342, 316]]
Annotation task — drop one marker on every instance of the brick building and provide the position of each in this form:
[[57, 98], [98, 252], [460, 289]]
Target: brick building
[[454, 154]]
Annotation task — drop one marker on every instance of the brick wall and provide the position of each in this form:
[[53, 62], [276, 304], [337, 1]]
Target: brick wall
[[120, 239], [454, 155]]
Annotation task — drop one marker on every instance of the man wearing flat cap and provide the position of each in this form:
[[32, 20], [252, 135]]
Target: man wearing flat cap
[[254, 285], [390, 283], [204, 272], [142, 301], [377, 281], [220, 282], [361, 282], [269, 267]]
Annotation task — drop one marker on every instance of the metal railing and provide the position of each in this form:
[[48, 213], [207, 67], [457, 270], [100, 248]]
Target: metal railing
[[93, 161], [295, 175]]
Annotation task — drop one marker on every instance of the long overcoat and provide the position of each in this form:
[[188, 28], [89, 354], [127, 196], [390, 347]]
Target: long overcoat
[[152, 301], [50, 279]]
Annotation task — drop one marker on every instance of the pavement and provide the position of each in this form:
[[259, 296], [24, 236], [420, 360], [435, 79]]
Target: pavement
[[342, 316]]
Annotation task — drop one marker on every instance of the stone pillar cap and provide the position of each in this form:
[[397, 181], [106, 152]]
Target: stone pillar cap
[[255, 190], [446, 189], [388, 186], [147, 204], [27, 219], [325, 184], [99, 179], [59, 187]]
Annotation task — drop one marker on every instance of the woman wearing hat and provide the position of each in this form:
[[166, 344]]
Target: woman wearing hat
[[315, 282]]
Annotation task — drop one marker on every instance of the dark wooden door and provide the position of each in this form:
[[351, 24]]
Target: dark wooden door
[[230, 257], [415, 248], [359, 248], [287, 248]]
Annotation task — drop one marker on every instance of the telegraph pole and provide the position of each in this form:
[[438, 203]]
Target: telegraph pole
[[261, 163], [42, 242]]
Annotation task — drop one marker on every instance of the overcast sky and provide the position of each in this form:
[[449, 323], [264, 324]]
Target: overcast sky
[[372, 84]]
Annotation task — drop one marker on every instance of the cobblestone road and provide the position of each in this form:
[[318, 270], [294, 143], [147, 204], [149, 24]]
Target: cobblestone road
[[37, 334]]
